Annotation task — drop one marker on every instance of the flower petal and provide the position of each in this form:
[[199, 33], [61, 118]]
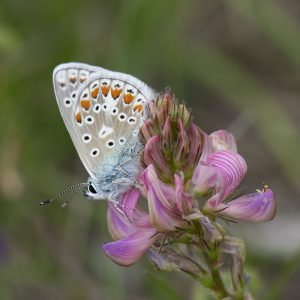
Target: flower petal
[[183, 143], [204, 178], [128, 202], [230, 168], [118, 224], [223, 140], [197, 138], [183, 200], [153, 155], [128, 250], [161, 202], [257, 207]]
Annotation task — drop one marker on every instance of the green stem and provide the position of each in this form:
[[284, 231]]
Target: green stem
[[215, 283], [218, 284]]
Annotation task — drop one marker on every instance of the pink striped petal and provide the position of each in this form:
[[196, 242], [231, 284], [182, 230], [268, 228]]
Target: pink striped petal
[[183, 200], [153, 155], [223, 140], [204, 177], [230, 168], [163, 211], [118, 224], [128, 202], [183, 143], [257, 207], [128, 250], [197, 138]]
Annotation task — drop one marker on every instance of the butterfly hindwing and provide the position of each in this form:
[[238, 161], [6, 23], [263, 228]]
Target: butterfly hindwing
[[102, 110]]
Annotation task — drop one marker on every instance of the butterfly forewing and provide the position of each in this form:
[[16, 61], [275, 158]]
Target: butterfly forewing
[[102, 110]]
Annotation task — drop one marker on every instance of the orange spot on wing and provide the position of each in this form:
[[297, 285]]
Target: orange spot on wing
[[138, 107], [72, 79], [116, 93], [78, 117], [95, 92], [128, 98], [82, 79], [85, 104], [105, 90]]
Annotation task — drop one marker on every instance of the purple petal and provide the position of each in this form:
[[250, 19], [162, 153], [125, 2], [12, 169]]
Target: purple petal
[[204, 178], [163, 211], [153, 155], [118, 224], [230, 168], [183, 200], [127, 251], [223, 140], [128, 202], [196, 137], [257, 207], [207, 148], [183, 143]]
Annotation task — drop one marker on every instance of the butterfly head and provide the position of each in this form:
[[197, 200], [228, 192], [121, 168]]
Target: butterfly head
[[92, 190]]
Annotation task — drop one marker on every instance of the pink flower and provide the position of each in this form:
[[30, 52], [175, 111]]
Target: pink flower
[[166, 204], [135, 230], [221, 172], [182, 164], [132, 237], [204, 177]]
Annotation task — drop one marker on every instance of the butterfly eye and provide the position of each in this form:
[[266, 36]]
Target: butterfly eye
[[92, 189]]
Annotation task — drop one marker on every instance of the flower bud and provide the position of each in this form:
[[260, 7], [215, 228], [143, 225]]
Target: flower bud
[[178, 141]]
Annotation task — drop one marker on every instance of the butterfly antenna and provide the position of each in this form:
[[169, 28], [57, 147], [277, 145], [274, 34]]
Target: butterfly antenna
[[67, 202], [79, 185]]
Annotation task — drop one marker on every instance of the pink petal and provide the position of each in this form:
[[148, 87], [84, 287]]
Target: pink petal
[[183, 143], [230, 168], [204, 177], [183, 200], [223, 140], [153, 155], [127, 251], [118, 224], [163, 211], [128, 202], [196, 137], [207, 148], [257, 207]]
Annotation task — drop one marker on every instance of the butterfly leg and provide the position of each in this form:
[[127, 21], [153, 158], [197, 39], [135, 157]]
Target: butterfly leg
[[127, 181]]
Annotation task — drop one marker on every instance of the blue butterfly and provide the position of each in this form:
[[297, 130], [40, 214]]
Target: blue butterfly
[[103, 112]]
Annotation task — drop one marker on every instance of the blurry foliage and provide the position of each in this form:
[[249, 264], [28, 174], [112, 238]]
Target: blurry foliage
[[235, 62]]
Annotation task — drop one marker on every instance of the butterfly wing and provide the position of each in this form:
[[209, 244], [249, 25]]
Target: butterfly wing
[[102, 110]]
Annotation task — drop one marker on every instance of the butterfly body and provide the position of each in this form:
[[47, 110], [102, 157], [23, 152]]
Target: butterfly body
[[103, 111]]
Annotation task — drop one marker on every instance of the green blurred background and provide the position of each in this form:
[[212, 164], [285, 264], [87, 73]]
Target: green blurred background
[[236, 63]]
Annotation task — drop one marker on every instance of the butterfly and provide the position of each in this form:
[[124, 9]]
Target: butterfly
[[103, 112]]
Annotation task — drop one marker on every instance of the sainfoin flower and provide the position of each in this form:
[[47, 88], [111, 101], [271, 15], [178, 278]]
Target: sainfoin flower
[[188, 181]]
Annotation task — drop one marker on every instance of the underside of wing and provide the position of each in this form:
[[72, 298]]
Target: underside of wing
[[102, 110]]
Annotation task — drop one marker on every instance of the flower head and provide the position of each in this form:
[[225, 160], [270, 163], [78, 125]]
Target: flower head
[[173, 142], [188, 180]]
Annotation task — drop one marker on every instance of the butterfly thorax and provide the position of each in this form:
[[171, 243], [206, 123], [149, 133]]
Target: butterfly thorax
[[116, 175]]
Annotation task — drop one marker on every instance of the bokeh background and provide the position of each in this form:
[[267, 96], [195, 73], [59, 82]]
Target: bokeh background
[[236, 63]]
